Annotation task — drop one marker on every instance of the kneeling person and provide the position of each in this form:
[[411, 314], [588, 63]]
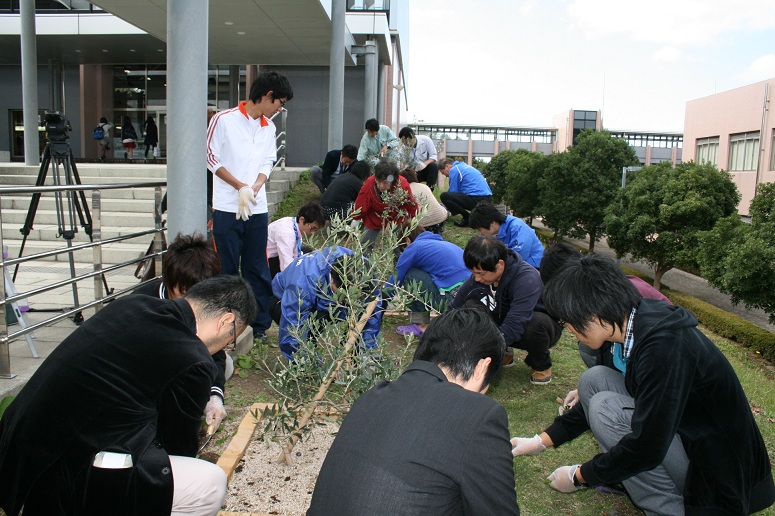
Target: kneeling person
[[429, 442]]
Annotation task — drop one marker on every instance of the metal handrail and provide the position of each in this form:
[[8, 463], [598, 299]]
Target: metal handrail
[[96, 245]]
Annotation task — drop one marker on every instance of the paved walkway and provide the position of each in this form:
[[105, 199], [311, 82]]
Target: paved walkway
[[684, 282]]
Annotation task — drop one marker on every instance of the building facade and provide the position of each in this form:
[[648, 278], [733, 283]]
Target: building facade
[[735, 131]]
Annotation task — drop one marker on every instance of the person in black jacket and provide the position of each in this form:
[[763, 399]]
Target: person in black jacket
[[429, 442], [151, 136], [109, 423], [339, 197], [510, 290], [336, 162], [190, 259], [128, 137], [671, 418]]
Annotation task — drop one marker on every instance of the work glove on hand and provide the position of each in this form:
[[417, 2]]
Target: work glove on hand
[[527, 445], [214, 413], [561, 479], [246, 198]]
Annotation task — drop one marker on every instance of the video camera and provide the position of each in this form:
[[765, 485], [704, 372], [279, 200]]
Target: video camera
[[57, 126]]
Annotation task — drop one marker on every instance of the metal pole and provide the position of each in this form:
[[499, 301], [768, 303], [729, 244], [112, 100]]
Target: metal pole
[[370, 93], [336, 75], [187, 22], [5, 352], [96, 210], [29, 83]]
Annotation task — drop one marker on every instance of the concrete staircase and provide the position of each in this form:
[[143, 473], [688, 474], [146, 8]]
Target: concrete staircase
[[123, 211]]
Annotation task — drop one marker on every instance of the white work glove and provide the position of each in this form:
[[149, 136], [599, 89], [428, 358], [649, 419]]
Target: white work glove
[[214, 413], [527, 445], [420, 166], [246, 198], [561, 479], [569, 402]]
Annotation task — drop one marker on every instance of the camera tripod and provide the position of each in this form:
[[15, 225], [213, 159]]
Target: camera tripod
[[67, 204]]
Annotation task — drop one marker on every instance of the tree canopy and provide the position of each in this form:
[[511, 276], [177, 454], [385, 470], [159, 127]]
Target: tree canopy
[[659, 215], [578, 185]]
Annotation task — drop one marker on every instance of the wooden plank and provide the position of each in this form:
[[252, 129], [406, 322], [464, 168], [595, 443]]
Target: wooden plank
[[241, 440]]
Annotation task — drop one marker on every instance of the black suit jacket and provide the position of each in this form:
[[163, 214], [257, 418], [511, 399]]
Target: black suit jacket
[[134, 378], [419, 445], [330, 164]]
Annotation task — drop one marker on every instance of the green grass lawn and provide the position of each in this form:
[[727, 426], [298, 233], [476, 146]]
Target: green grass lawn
[[532, 408]]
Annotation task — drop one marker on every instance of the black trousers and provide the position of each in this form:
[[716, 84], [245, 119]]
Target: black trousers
[[461, 204], [429, 175]]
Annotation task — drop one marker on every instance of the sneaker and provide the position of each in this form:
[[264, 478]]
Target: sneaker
[[259, 337], [411, 329], [508, 359], [541, 377]]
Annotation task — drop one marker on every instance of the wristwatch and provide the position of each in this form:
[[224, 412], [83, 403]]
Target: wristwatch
[[576, 481]]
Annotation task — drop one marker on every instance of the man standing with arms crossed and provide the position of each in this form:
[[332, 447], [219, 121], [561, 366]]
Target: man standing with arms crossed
[[241, 152]]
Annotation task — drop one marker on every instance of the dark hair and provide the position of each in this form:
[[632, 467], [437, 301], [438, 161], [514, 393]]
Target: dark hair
[[312, 212], [556, 257], [484, 252], [417, 231], [406, 132], [484, 214], [592, 287], [360, 169], [150, 120], [444, 162], [384, 169], [459, 339], [103, 120], [127, 121], [372, 124], [221, 294], [189, 259], [349, 151], [410, 175], [270, 81]]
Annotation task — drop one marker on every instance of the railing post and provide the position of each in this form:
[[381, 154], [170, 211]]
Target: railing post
[[157, 237], [5, 352], [96, 210]]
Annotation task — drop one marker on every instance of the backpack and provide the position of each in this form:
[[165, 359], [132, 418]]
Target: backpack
[[98, 133]]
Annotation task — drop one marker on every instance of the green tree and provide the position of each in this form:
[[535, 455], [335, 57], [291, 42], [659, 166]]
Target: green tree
[[523, 194], [739, 258], [578, 187], [660, 214], [497, 171]]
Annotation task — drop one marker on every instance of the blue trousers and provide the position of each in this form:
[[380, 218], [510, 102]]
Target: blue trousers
[[242, 249]]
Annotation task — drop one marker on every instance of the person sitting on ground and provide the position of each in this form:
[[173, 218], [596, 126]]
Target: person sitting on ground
[[339, 198], [672, 421], [435, 215], [511, 230], [284, 241], [438, 267], [378, 141], [467, 186], [109, 423], [304, 292], [429, 442], [336, 162], [189, 260], [424, 156], [384, 198], [510, 289]]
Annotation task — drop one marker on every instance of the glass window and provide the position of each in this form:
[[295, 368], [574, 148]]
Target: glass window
[[707, 150], [744, 151]]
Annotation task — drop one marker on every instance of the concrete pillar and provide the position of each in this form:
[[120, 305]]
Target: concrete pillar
[[29, 82], [470, 150], [381, 115], [234, 97], [336, 75], [370, 93], [187, 22]]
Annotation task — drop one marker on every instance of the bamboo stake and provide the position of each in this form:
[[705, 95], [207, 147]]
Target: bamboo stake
[[285, 455]]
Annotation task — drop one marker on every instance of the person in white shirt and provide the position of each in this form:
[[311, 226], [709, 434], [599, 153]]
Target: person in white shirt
[[284, 243], [424, 156], [241, 152]]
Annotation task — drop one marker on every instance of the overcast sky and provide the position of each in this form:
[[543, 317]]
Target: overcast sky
[[521, 62]]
